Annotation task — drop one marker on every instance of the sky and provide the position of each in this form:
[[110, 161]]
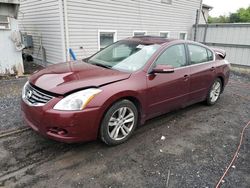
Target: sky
[[224, 7]]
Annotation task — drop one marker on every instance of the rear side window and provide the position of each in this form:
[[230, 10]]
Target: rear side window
[[198, 54], [174, 56]]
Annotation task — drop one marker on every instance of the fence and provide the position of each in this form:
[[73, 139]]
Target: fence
[[232, 37]]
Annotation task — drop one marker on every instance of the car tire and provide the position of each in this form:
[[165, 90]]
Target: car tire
[[119, 123], [214, 92]]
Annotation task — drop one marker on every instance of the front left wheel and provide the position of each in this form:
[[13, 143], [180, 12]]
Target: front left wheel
[[119, 122]]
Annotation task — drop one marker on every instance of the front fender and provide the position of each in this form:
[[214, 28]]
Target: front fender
[[130, 89]]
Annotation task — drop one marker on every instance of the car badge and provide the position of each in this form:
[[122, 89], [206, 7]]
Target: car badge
[[29, 94]]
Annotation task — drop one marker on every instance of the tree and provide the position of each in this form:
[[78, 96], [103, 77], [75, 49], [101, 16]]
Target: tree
[[244, 14], [241, 15], [220, 19], [234, 18]]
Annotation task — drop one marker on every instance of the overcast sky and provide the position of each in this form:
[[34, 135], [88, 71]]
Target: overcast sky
[[224, 7]]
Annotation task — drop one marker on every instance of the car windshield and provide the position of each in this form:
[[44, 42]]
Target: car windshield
[[127, 56]]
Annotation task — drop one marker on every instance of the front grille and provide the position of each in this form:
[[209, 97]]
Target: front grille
[[35, 97]]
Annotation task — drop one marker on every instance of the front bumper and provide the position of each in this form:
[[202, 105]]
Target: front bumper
[[63, 126]]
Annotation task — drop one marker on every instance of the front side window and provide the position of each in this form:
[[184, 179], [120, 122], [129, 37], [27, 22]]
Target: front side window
[[174, 56], [127, 56], [106, 38], [198, 54]]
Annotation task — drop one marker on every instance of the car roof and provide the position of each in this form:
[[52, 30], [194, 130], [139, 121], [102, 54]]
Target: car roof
[[145, 39], [148, 40]]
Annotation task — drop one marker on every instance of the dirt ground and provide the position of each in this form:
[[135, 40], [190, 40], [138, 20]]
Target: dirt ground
[[200, 142]]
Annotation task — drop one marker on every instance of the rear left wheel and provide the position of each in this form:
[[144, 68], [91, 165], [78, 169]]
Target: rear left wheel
[[214, 92], [119, 122]]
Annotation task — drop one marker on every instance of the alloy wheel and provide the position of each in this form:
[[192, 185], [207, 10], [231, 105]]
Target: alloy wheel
[[215, 91], [121, 123]]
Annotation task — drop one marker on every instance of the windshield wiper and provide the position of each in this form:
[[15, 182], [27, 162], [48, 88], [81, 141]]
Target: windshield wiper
[[102, 65]]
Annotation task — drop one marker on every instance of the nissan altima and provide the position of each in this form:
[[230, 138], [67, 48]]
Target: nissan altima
[[112, 92]]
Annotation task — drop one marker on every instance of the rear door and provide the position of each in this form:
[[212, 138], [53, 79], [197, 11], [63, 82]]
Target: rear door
[[167, 91], [202, 71]]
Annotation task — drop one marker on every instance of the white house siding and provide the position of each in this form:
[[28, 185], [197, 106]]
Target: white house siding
[[86, 17], [10, 59], [44, 18]]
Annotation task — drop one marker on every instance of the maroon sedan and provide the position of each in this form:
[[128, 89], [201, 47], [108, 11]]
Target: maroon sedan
[[120, 87]]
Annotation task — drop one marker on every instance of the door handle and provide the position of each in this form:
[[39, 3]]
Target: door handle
[[186, 77], [212, 69]]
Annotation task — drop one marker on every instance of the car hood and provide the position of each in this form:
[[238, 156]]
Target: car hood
[[66, 77]]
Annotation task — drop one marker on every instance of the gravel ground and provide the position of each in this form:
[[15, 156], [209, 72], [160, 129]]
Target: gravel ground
[[10, 95], [199, 143]]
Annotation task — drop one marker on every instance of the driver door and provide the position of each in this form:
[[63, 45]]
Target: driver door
[[169, 91]]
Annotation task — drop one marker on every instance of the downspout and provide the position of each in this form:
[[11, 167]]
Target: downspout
[[66, 26], [206, 26], [197, 19], [196, 25]]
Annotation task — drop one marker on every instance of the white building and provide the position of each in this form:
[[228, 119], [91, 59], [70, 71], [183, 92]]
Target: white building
[[205, 13], [10, 42], [89, 25]]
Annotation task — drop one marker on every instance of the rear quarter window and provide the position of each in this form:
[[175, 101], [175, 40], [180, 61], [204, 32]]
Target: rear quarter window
[[210, 55]]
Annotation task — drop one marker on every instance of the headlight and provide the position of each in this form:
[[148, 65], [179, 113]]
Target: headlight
[[24, 89], [77, 100]]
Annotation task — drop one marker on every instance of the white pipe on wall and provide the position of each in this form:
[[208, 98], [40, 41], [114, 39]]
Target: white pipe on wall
[[65, 7], [64, 52]]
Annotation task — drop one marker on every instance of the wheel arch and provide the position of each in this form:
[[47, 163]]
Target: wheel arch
[[131, 96], [122, 96], [136, 102], [222, 81]]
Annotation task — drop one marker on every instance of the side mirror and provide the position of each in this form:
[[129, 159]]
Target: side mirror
[[163, 69]]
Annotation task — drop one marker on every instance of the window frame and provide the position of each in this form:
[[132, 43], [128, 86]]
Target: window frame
[[186, 33], [114, 32], [189, 58], [163, 50], [139, 31], [168, 32], [168, 2], [7, 22]]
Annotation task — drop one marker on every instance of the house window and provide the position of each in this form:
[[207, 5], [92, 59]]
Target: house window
[[167, 1], [164, 34], [139, 33], [183, 35], [4, 22], [106, 37]]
